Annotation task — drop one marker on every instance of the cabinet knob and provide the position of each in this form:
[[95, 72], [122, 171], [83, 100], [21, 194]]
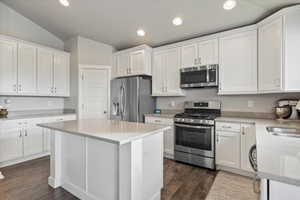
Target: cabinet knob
[[105, 112]]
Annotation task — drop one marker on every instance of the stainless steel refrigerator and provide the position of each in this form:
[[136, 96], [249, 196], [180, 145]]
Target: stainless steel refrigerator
[[131, 98]]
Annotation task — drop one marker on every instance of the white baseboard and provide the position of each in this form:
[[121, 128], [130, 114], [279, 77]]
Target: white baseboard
[[24, 159], [54, 183], [236, 171], [78, 192]]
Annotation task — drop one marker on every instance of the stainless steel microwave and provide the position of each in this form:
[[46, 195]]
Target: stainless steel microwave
[[200, 76]]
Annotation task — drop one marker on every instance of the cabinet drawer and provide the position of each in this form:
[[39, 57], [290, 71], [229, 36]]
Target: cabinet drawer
[[227, 126], [159, 120]]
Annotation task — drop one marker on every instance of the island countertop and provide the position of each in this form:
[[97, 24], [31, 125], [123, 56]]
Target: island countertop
[[113, 131]]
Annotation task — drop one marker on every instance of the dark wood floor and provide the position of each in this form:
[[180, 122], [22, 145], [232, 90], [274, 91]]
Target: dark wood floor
[[28, 181]]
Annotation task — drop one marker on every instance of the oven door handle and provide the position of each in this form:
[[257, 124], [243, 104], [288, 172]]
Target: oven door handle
[[189, 126]]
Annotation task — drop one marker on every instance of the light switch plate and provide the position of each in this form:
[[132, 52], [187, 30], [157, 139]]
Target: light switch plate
[[250, 104]]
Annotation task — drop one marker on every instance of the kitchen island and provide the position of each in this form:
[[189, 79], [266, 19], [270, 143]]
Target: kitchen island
[[106, 159]]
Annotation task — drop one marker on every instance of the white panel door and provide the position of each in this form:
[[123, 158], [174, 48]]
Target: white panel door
[[8, 66], [270, 56], [33, 138], [61, 76], [238, 63], [172, 65], [44, 72], [208, 52], [189, 55], [137, 62], [123, 63], [158, 77], [228, 149], [27, 76], [94, 95], [248, 139], [10, 141]]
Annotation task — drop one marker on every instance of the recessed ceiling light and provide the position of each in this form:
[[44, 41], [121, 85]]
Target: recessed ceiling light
[[64, 2], [141, 32], [177, 21], [229, 4]]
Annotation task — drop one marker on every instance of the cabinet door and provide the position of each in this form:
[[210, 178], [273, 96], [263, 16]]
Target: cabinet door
[[33, 139], [248, 139], [172, 73], [123, 63], [27, 76], [189, 55], [270, 56], [208, 52], [44, 72], [8, 66], [158, 74], [238, 63], [61, 76], [228, 149], [10, 141], [137, 63]]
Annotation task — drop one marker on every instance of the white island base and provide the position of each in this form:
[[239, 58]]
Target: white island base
[[94, 169]]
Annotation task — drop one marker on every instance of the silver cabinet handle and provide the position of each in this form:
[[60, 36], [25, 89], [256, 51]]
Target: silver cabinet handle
[[26, 134], [158, 121], [200, 61], [20, 135], [105, 112], [195, 61], [226, 127]]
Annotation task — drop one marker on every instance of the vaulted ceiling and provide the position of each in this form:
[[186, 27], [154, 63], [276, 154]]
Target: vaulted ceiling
[[115, 22]]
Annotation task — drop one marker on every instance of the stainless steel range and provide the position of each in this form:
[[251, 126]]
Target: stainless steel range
[[195, 133]]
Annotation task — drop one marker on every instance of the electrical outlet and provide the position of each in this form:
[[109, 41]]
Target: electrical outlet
[[50, 103], [250, 104], [172, 104]]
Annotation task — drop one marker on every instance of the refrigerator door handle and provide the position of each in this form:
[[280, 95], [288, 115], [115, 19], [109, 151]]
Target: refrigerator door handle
[[121, 101]]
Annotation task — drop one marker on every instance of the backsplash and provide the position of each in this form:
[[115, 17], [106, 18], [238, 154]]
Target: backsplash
[[32, 103], [261, 103]]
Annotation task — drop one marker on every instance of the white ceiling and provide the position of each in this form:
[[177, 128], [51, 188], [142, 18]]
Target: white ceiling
[[115, 22]]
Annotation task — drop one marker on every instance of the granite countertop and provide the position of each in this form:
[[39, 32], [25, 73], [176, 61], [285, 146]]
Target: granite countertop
[[36, 114], [113, 131]]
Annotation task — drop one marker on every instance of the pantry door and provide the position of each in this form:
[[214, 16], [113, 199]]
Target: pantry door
[[94, 93]]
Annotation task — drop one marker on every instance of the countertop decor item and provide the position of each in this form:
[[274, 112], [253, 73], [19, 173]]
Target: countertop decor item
[[3, 112]]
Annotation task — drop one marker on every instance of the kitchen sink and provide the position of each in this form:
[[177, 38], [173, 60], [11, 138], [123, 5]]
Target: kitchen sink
[[284, 131]]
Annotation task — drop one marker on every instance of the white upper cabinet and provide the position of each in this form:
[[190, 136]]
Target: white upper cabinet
[[166, 77], [132, 62], [238, 62], [279, 47], [61, 71], [45, 72], [8, 66], [189, 55], [208, 52], [270, 55], [122, 64], [27, 68], [199, 53]]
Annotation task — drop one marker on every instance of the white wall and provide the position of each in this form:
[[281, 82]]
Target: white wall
[[32, 103], [238, 103], [16, 25], [94, 53]]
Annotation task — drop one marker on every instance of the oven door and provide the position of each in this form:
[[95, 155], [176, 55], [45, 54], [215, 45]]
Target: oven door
[[193, 78], [195, 139]]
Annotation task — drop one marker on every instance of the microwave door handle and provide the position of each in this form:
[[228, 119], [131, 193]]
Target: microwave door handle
[[189, 126]]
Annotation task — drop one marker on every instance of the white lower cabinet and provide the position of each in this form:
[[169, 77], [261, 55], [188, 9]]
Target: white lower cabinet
[[32, 137], [233, 143], [228, 149], [11, 141], [22, 140], [168, 135]]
